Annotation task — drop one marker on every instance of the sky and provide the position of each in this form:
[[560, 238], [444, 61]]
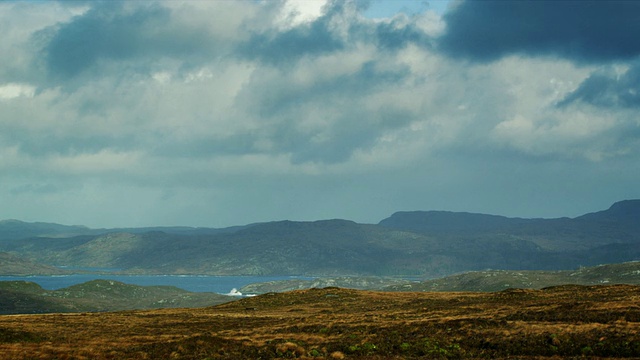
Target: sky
[[222, 113]]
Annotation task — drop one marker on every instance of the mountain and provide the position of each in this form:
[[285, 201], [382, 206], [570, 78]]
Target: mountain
[[21, 297], [420, 243], [625, 214], [620, 224], [447, 222]]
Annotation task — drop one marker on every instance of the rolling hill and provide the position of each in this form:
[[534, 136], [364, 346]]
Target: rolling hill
[[14, 265], [22, 297], [483, 281], [498, 280]]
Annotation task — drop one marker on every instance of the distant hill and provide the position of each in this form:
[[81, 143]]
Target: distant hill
[[14, 265], [278, 248], [21, 297], [497, 280], [15, 229], [420, 243], [346, 282], [484, 281]]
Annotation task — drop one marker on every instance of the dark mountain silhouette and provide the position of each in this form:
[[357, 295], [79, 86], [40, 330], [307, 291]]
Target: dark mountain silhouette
[[447, 222], [625, 214], [619, 224], [419, 243]]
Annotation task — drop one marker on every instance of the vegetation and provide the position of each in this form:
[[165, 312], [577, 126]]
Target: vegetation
[[334, 323]]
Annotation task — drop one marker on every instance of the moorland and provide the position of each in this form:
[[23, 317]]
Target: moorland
[[333, 323]]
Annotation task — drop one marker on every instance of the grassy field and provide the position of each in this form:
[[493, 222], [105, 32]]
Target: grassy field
[[332, 323]]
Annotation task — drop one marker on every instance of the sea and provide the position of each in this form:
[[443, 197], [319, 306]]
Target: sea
[[195, 283]]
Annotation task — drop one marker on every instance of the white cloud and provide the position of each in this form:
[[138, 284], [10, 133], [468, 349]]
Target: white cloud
[[296, 12], [13, 90]]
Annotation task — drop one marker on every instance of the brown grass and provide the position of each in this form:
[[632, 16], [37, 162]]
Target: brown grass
[[568, 322]]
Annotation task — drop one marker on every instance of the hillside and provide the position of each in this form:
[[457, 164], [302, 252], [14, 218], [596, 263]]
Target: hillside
[[21, 297], [429, 244], [14, 265], [360, 283], [561, 322], [278, 248], [15, 229], [497, 280], [485, 281]]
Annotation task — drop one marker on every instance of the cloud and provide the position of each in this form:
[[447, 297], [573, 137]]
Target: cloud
[[13, 90], [340, 26], [584, 31], [105, 31], [130, 33], [194, 112], [308, 39], [608, 88], [325, 118]]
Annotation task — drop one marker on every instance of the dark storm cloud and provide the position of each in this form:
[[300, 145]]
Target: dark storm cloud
[[324, 36], [350, 127], [112, 31], [275, 47], [366, 80], [584, 31], [354, 130], [393, 37], [608, 88]]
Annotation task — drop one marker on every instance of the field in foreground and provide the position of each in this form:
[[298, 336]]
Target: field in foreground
[[333, 323]]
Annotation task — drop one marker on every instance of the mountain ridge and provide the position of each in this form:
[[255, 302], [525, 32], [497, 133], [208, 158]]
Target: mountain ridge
[[431, 244], [628, 210]]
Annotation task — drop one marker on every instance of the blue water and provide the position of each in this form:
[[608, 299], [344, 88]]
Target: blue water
[[195, 283]]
